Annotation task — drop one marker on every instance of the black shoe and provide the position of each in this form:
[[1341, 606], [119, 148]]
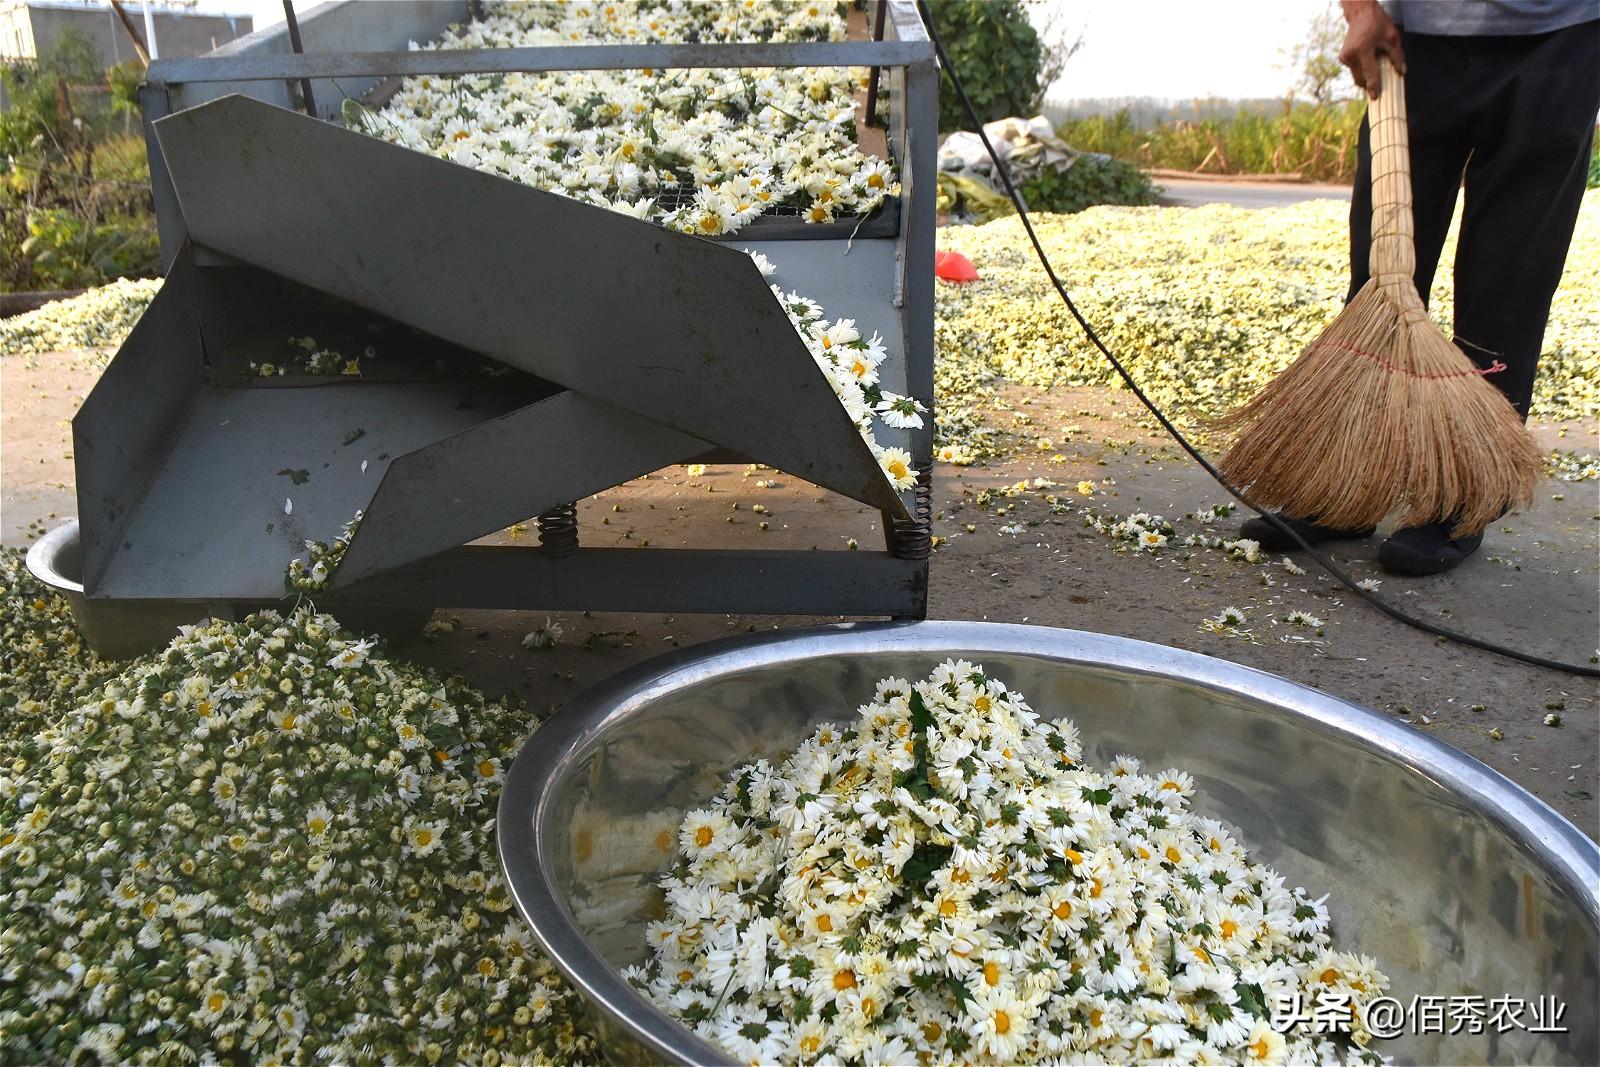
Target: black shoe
[[1428, 549], [1272, 539]]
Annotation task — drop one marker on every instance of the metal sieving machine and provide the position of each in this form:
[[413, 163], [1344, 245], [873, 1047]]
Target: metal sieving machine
[[526, 351]]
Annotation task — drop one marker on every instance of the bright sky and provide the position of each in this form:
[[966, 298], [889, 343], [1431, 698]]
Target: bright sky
[[1181, 49], [1161, 48]]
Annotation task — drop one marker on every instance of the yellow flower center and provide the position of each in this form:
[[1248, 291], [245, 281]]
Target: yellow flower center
[[1074, 856], [1002, 1022], [1229, 928], [703, 836], [664, 841], [1258, 1049], [288, 722], [318, 825], [948, 908], [825, 924], [1329, 976], [810, 1043], [874, 181], [1096, 1017], [1062, 910], [932, 1031], [897, 468], [845, 979], [991, 973], [1096, 889], [983, 703], [486, 768], [424, 838], [1173, 854], [216, 1002], [461, 135]]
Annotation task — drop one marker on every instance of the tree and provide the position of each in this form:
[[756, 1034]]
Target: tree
[[1315, 60], [998, 55]]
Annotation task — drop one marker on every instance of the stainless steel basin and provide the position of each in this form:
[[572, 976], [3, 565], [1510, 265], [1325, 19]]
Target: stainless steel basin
[[1458, 881], [116, 629]]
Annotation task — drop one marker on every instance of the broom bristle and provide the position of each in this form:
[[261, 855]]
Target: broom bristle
[[1381, 412]]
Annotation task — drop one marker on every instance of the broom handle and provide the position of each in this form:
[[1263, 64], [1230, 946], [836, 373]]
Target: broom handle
[[1393, 262]]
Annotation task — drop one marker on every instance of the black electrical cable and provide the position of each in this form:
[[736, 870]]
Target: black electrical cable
[[1323, 560]]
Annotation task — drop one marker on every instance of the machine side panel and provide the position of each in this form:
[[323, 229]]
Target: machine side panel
[[484, 479], [681, 331], [128, 425]]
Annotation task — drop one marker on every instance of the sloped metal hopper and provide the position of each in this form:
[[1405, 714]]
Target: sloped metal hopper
[[526, 351]]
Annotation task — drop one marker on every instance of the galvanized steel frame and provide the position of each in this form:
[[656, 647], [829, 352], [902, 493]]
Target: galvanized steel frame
[[893, 582]]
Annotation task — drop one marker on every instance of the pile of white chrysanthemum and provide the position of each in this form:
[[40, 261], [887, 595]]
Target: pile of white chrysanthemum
[[98, 318], [322, 558], [941, 881], [44, 663], [705, 151], [1204, 305], [850, 362], [268, 843]]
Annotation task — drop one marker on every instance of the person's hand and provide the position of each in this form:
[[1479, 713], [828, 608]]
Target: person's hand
[[1370, 35]]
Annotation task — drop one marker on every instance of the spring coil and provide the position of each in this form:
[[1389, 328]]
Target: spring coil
[[913, 538], [558, 531]]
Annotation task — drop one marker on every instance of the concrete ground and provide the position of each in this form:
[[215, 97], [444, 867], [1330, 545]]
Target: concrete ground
[[1534, 584], [1184, 192]]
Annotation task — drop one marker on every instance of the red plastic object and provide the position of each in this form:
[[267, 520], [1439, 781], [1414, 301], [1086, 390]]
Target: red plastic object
[[954, 267]]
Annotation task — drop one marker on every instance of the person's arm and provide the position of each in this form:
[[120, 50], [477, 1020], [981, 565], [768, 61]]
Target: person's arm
[[1369, 35]]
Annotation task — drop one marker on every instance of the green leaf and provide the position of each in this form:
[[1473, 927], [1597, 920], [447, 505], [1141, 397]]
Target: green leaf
[[297, 475]]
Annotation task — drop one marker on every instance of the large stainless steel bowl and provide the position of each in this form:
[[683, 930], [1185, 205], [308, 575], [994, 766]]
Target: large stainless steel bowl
[[1458, 881]]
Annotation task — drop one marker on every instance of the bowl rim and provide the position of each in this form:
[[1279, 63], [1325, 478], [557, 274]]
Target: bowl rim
[[567, 736], [43, 553]]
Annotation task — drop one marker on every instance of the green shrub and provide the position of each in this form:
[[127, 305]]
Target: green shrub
[[997, 54], [1089, 181]]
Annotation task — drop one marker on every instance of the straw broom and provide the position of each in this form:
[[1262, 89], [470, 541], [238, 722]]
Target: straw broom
[[1382, 412]]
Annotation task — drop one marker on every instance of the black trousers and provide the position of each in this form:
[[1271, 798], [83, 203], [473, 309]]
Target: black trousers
[[1512, 119]]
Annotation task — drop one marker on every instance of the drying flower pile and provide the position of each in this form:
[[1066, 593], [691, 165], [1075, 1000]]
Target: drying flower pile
[[705, 151], [1204, 304], [44, 664], [98, 318], [268, 843], [941, 880]]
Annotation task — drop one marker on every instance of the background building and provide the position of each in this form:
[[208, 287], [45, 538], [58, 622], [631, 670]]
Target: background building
[[28, 28]]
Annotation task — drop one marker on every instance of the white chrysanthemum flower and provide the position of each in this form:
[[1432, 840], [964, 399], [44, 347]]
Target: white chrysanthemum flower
[[896, 464], [423, 837]]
